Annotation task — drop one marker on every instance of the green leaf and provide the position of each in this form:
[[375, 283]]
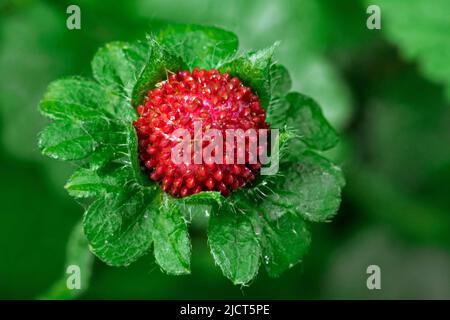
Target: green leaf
[[119, 65], [171, 238], [87, 183], [160, 63], [77, 98], [70, 140], [234, 245], [280, 80], [119, 226], [78, 254], [284, 241], [280, 84], [253, 69], [311, 187], [199, 46], [421, 33], [65, 140], [305, 117], [75, 90], [106, 154], [63, 110]]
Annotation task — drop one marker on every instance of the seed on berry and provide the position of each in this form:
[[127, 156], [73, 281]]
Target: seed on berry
[[209, 183], [218, 175]]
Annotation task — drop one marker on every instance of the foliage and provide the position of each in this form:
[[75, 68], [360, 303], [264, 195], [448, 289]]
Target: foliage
[[92, 125], [382, 90]]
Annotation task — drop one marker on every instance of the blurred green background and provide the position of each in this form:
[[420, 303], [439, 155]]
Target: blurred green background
[[386, 91]]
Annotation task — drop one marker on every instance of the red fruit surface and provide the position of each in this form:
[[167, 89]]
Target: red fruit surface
[[219, 102]]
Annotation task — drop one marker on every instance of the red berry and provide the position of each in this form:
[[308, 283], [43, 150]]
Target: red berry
[[217, 100]]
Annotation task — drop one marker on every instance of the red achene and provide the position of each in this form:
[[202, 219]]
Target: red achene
[[217, 100]]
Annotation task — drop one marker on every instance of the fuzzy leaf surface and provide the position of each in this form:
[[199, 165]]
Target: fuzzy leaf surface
[[77, 98], [199, 46], [311, 187], [74, 140], [86, 182], [119, 226], [306, 118], [119, 65], [171, 239], [234, 245], [253, 69], [284, 241], [280, 84], [160, 63]]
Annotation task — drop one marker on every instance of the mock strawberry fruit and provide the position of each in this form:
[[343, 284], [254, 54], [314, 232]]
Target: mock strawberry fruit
[[214, 101]]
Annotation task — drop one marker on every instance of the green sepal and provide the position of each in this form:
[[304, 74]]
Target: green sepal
[[234, 245], [199, 46], [86, 183], [119, 226], [118, 65], [253, 69], [284, 240], [280, 84], [305, 117], [310, 187], [172, 246], [160, 64]]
